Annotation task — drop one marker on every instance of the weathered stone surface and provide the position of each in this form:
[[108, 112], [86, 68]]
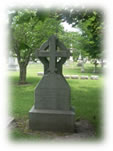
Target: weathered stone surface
[[52, 108], [52, 92], [52, 120]]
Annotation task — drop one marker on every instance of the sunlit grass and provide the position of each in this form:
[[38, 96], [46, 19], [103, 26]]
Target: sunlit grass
[[86, 95]]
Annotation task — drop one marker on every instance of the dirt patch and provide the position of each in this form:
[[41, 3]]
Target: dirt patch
[[83, 131]]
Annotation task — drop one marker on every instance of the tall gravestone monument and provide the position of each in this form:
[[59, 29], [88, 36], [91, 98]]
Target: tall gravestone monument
[[52, 109]]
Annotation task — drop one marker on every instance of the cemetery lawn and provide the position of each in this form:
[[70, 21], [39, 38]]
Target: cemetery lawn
[[86, 98]]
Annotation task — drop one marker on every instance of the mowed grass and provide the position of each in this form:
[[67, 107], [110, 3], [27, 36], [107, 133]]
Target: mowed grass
[[86, 95]]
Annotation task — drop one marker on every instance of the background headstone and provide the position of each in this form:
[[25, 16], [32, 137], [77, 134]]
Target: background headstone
[[84, 77], [74, 77], [94, 77], [12, 64]]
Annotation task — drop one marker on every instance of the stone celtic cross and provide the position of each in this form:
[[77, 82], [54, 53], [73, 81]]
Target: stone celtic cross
[[52, 65], [52, 110]]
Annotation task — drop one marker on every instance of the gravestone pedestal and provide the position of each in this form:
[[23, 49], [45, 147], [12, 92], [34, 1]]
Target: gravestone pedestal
[[52, 109], [52, 120]]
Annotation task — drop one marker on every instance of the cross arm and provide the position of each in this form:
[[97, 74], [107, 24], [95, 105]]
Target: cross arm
[[43, 53], [63, 53]]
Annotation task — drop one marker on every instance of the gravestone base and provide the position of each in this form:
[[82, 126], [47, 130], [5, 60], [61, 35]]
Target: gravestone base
[[52, 120]]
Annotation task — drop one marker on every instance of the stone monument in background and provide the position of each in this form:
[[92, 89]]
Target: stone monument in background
[[52, 109], [13, 64]]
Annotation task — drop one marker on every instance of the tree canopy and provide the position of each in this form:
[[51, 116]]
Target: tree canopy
[[90, 23], [30, 28]]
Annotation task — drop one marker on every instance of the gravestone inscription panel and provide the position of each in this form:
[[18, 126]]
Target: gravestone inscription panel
[[52, 109]]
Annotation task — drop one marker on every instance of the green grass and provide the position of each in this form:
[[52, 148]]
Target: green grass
[[86, 96]]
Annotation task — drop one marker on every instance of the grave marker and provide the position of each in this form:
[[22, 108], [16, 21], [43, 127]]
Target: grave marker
[[52, 109]]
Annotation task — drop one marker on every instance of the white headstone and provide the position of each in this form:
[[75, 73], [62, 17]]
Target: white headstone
[[12, 64], [94, 77], [74, 77], [84, 77]]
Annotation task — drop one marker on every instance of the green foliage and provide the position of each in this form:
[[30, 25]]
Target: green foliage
[[75, 41], [90, 23], [29, 29], [32, 27], [92, 34]]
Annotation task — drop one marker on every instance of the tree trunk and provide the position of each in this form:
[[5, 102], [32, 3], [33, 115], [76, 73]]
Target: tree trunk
[[22, 77]]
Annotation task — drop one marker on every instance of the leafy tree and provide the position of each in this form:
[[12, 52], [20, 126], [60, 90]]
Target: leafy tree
[[90, 23], [75, 42], [28, 30]]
